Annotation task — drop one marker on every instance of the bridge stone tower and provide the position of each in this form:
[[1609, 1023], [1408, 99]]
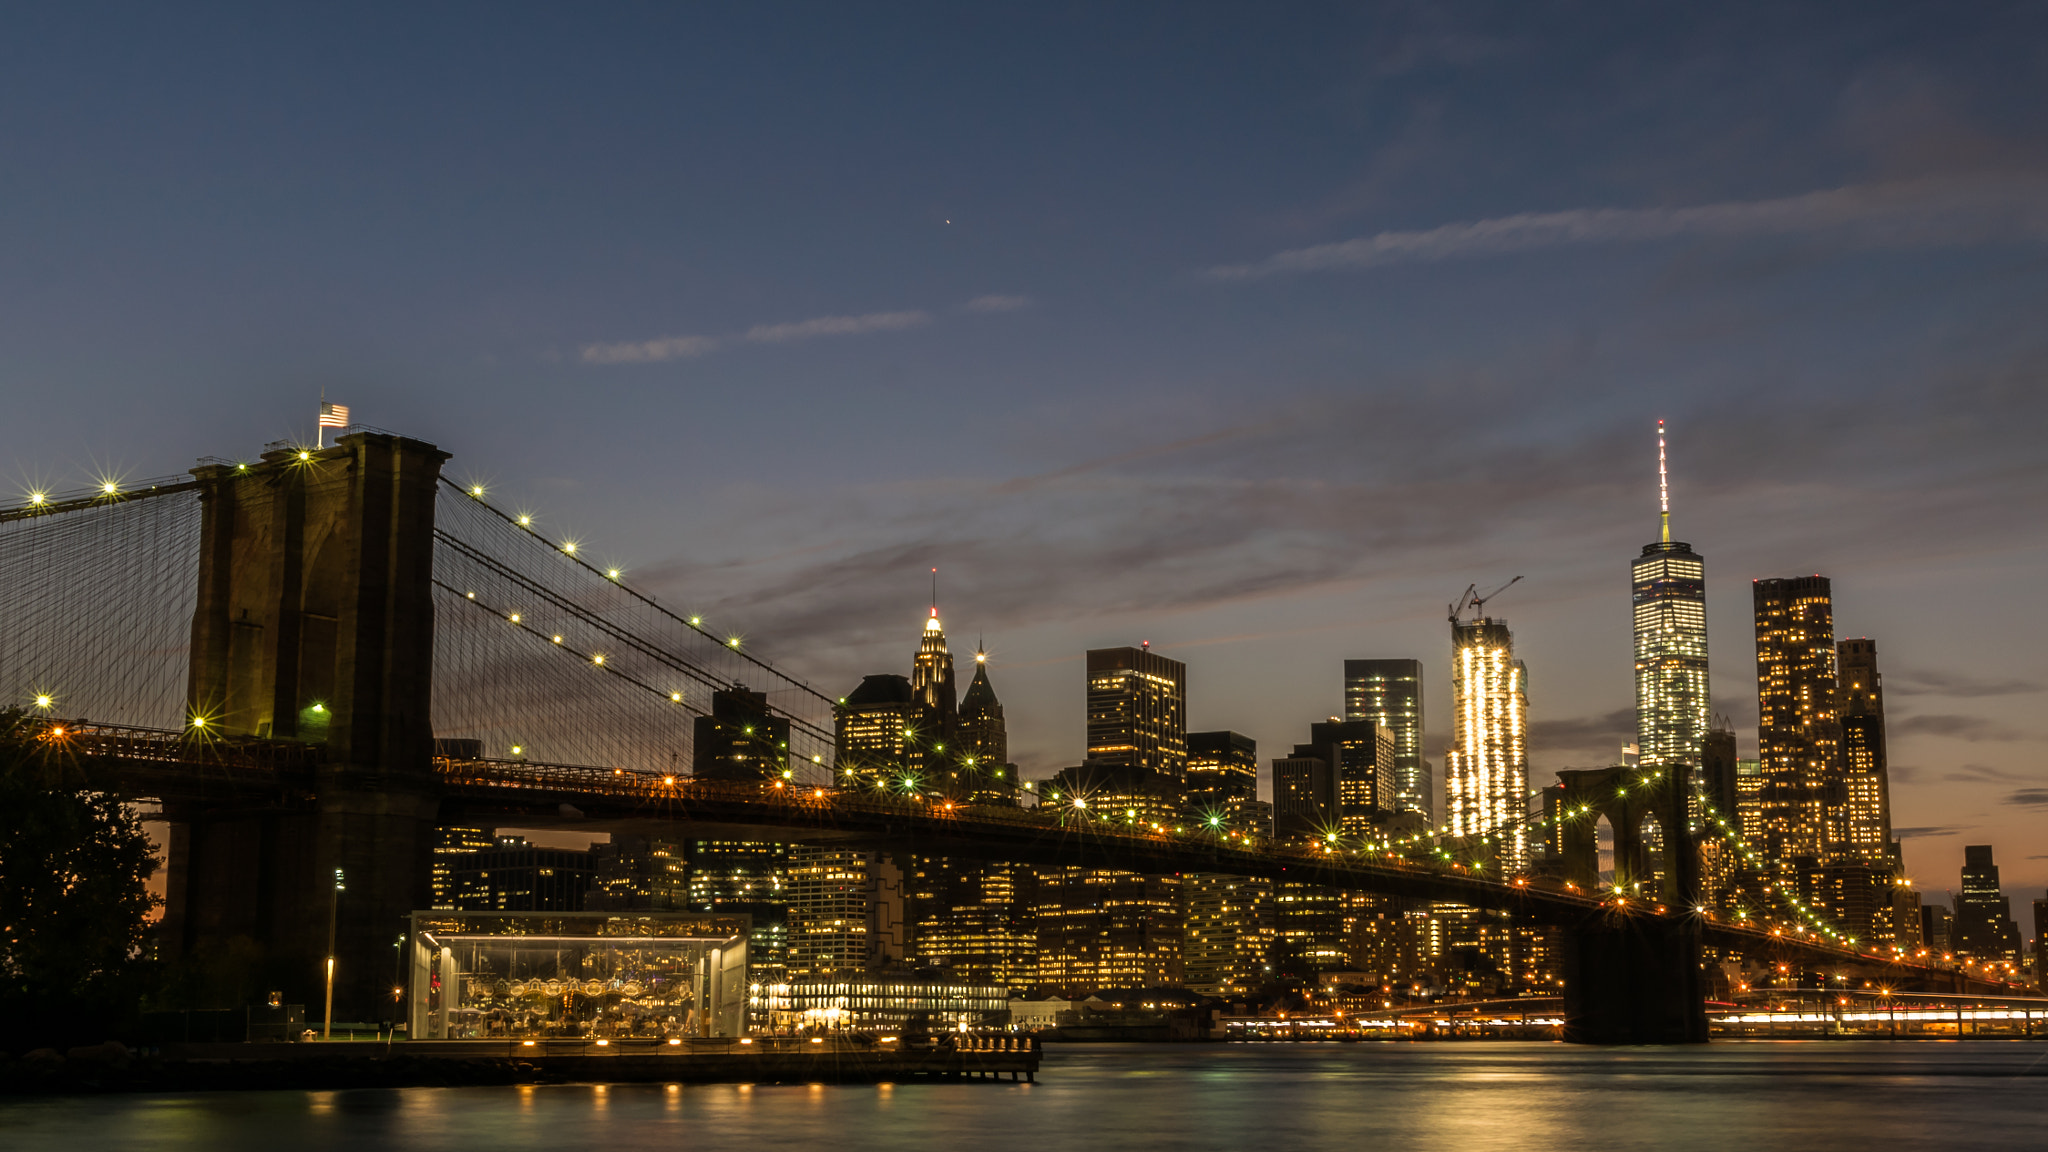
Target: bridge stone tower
[[314, 624], [1630, 980]]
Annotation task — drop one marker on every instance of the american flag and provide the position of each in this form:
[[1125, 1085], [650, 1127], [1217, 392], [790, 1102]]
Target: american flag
[[333, 415]]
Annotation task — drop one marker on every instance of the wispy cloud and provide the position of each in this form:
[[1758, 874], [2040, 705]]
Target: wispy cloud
[[1970, 728], [649, 351], [1956, 684], [1927, 830], [1915, 213], [998, 304], [1987, 774], [687, 347], [837, 326], [2029, 798]]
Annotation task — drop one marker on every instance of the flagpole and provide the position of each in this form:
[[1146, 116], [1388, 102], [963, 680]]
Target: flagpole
[[320, 421]]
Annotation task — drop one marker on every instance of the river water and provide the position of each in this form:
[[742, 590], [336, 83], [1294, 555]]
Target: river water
[[1812, 1096]]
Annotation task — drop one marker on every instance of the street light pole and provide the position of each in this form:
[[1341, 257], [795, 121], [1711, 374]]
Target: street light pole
[[333, 914]]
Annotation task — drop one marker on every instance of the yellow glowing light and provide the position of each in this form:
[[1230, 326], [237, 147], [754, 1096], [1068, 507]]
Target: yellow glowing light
[[44, 701], [305, 455], [516, 749], [199, 721], [514, 617], [597, 658], [612, 573], [569, 546], [696, 620], [37, 497], [558, 639], [319, 707], [525, 520], [668, 780], [676, 696], [734, 642], [109, 488], [476, 490], [472, 595]]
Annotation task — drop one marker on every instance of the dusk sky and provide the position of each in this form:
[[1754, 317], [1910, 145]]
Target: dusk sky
[[1257, 332]]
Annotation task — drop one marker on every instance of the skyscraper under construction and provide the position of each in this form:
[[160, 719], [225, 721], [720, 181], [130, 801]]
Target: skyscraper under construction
[[1486, 771]]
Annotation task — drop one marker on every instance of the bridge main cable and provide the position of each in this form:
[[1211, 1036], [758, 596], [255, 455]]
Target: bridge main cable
[[649, 601]]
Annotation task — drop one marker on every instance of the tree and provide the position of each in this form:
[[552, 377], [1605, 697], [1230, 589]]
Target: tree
[[74, 897]]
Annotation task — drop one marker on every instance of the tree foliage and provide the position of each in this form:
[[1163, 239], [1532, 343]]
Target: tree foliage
[[74, 898]]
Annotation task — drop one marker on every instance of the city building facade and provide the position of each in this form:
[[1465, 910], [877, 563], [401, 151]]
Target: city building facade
[[1984, 930], [1486, 770], [936, 709], [515, 876], [984, 742], [1668, 584], [748, 877], [1223, 781], [873, 729], [973, 918], [1867, 821], [1227, 933], [1389, 693], [1137, 710], [742, 739], [1799, 732], [846, 912]]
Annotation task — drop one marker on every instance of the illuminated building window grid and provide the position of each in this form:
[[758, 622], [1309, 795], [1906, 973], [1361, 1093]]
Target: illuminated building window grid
[[1488, 777]]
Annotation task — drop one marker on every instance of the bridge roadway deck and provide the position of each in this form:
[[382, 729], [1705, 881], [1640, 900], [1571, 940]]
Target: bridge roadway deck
[[249, 773]]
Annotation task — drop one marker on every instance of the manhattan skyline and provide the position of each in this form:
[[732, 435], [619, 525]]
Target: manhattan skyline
[[1259, 352]]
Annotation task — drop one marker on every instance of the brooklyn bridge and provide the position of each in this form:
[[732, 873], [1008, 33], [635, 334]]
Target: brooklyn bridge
[[310, 660]]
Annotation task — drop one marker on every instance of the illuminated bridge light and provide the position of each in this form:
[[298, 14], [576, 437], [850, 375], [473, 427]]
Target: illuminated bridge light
[[37, 498], [476, 490], [514, 617], [44, 700], [676, 696], [569, 546]]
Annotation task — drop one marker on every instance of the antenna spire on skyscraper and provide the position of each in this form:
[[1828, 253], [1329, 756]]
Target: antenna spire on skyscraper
[[1663, 487]]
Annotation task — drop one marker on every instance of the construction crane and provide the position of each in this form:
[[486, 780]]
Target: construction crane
[[1475, 602]]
